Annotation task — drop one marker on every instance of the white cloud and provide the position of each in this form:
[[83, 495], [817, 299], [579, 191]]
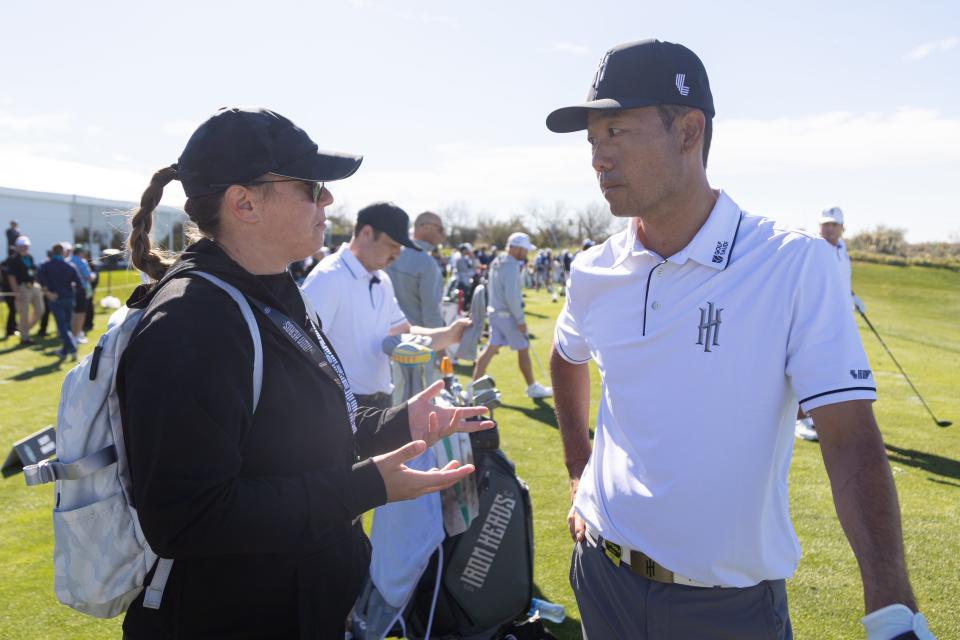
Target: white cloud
[[408, 16], [569, 47], [937, 46], [881, 163], [34, 123], [29, 168], [908, 137]]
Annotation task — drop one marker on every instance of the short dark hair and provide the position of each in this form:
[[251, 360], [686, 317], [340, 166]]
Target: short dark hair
[[670, 112], [359, 227]]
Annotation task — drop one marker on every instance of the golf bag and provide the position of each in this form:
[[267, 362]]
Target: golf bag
[[487, 572]]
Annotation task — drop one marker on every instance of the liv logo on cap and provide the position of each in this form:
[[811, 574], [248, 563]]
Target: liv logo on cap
[[683, 89]]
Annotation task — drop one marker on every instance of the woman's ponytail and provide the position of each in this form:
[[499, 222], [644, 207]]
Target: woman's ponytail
[[142, 255]]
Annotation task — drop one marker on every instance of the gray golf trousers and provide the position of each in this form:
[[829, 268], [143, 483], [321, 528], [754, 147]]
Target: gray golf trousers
[[616, 603]]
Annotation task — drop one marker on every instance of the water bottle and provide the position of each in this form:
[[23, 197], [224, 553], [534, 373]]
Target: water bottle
[[547, 610]]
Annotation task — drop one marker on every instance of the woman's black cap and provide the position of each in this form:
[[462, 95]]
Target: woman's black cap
[[640, 74], [238, 145]]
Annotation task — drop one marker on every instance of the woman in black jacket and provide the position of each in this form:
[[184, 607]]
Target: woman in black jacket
[[258, 509]]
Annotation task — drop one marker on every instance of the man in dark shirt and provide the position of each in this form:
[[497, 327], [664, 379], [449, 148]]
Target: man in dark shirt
[[61, 282], [12, 234], [22, 278], [8, 298]]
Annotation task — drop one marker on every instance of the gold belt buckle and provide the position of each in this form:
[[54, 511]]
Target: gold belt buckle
[[613, 552], [647, 567]]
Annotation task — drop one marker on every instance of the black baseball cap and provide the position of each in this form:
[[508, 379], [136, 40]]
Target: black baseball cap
[[640, 74], [389, 218], [239, 144]]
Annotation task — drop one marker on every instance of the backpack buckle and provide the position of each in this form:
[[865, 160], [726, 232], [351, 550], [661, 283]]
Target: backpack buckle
[[40, 473]]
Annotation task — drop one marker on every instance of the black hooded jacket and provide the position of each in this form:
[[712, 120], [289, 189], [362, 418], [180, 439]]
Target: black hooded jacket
[[257, 510]]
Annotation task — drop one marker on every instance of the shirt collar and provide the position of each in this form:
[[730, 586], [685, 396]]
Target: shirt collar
[[354, 266], [423, 244], [712, 246]]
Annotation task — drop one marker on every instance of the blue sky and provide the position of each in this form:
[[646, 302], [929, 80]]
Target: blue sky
[[817, 105]]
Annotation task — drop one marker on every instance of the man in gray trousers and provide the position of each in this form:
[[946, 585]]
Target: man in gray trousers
[[707, 324]]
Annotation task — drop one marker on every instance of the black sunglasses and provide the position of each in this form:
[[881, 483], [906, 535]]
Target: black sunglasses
[[316, 188]]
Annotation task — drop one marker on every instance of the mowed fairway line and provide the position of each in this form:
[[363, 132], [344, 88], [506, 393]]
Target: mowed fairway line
[[915, 310]]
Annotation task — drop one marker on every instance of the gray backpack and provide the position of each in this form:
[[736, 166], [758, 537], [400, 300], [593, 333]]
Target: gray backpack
[[101, 558]]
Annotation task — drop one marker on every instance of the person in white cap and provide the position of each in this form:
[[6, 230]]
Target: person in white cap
[[831, 230], [508, 325]]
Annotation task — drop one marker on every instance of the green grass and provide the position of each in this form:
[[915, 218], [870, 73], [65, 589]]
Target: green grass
[[916, 311]]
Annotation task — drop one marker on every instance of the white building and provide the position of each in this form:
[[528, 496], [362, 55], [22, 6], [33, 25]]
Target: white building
[[98, 224]]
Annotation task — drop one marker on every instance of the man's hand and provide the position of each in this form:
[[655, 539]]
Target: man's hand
[[578, 528], [430, 423], [444, 337], [522, 328], [403, 483]]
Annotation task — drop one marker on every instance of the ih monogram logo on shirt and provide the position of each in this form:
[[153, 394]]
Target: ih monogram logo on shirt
[[709, 327], [681, 87]]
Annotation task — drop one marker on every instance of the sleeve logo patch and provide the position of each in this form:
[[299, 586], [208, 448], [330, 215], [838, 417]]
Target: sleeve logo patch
[[860, 374]]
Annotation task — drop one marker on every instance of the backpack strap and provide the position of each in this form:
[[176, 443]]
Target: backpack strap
[[50, 470], [153, 594], [251, 321]]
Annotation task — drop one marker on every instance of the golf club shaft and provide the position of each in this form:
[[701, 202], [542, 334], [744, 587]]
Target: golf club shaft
[[543, 371], [905, 376]]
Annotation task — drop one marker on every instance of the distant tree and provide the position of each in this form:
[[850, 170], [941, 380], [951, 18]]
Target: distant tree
[[460, 223], [594, 221], [884, 240], [340, 223], [553, 225], [497, 231]]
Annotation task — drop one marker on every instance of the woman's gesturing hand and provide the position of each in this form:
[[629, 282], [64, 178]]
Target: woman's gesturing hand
[[430, 423], [403, 483]]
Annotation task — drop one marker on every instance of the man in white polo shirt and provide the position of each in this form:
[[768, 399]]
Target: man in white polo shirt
[[356, 303], [831, 230], [706, 324]]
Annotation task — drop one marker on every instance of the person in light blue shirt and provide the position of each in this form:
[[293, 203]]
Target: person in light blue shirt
[[83, 292]]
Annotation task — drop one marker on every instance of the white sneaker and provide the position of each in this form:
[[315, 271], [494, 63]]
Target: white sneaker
[[805, 429], [537, 390], [82, 338]]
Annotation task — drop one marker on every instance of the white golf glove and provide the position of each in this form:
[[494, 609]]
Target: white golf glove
[[893, 621], [858, 304]]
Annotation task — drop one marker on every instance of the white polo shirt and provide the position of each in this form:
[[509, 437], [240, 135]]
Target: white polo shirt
[[357, 314], [702, 357]]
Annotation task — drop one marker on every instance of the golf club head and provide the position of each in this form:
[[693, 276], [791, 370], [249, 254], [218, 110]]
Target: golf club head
[[944, 423], [485, 382], [489, 398]]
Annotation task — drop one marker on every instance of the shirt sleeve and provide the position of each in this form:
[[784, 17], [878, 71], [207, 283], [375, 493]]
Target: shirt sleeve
[[826, 362], [431, 293], [394, 312], [568, 340], [512, 293]]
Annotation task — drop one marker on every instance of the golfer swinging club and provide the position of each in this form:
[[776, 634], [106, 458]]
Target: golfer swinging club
[[707, 324]]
